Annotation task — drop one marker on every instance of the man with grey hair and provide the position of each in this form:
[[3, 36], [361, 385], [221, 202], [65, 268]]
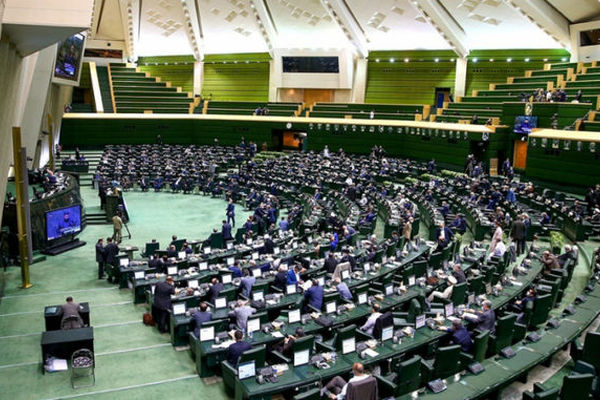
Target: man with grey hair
[[486, 318], [241, 313]]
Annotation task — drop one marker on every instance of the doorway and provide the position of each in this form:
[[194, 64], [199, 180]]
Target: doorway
[[318, 96], [287, 140], [520, 154], [442, 95]]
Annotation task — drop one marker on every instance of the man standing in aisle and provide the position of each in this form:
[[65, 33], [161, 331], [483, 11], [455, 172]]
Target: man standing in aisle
[[117, 226], [100, 257]]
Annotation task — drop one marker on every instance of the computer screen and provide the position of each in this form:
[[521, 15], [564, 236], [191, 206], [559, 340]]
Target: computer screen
[[412, 280], [258, 296], [294, 245], [193, 283], [345, 274], [248, 242], [221, 302], [203, 266], [253, 325], [178, 308], [389, 290], [330, 307], [420, 321], [293, 316], [362, 298], [226, 279], [229, 245], [230, 260], [256, 272], [276, 250], [152, 288], [207, 333], [255, 255], [290, 289], [301, 357], [124, 262], [172, 270], [367, 267], [321, 281], [206, 250], [449, 309], [471, 299], [246, 370], [348, 345], [387, 333], [384, 260], [181, 255], [139, 275]]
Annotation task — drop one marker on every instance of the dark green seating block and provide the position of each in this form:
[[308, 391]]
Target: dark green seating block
[[576, 387], [540, 393], [504, 332], [404, 378], [257, 354], [444, 365], [312, 394], [541, 307]]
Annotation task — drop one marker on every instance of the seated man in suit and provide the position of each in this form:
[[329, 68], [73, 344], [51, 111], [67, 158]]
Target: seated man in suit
[[246, 283], [236, 349], [459, 225], [314, 295], [280, 280], [293, 275], [330, 263], [486, 318], [71, 309], [285, 346], [200, 316], [460, 335], [172, 252], [226, 231], [446, 294], [444, 236], [459, 274], [214, 290], [337, 387], [342, 289], [241, 313]]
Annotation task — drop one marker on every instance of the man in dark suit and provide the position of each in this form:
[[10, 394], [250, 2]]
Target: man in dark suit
[[280, 280], [486, 318], [269, 246], [230, 211], [162, 303], [200, 316], [111, 250], [517, 233], [330, 263], [214, 290], [71, 309], [460, 335], [314, 295], [459, 274], [236, 349], [155, 263], [172, 252], [100, 257], [349, 258], [226, 230], [444, 235]]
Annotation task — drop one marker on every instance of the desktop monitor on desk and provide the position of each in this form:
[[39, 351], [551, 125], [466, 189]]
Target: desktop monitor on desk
[[348, 345], [330, 307], [229, 245], [294, 316], [193, 283], [253, 325], [207, 334], [389, 290], [276, 250], [139, 275], [412, 280], [206, 250], [255, 255], [367, 267], [419, 321], [181, 255], [387, 333], [220, 302], [172, 270], [227, 278], [301, 357], [256, 272], [203, 266], [249, 242], [230, 261], [124, 262], [321, 280], [246, 370], [179, 309], [258, 296], [362, 298], [449, 310], [290, 289]]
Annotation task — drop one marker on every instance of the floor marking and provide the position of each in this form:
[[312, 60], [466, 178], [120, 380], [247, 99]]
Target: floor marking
[[182, 378], [95, 327], [61, 292]]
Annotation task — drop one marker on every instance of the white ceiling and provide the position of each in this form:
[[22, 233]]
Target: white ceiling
[[232, 26]]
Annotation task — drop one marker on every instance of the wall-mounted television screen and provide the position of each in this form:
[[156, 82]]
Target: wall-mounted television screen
[[67, 67], [525, 123], [63, 222], [311, 64]]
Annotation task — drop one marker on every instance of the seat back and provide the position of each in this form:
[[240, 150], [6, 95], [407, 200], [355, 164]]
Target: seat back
[[257, 354], [216, 240], [365, 389], [342, 334], [179, 244], [541, 308], [480, 346], [230, 293], [409, 375], [313, 394], [435, 260], [476, 285], [420, 268], [151, 248], [414, 309], [504, 331], [446, 361], [576, 386], [459, 293], [591, 349], [386, 319]]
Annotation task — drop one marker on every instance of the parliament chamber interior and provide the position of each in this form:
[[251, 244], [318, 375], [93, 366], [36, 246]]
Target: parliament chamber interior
[[300, 200]]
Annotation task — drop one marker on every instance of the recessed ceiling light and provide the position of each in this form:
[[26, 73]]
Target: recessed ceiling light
[[377, 60], [508, 59], [563, 59], [406, 60], [527, 59], [452, 60], [475, 60], [392, 60], [545, 59], [437, 60], [491, 60]]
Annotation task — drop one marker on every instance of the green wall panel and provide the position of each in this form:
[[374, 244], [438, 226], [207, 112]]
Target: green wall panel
[[179, 70], [236, 77]]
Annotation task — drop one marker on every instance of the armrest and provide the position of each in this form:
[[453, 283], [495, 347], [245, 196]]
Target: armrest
[[313, 308], [245, 298], [527, 395], [321, 347], [426, 370], [466, 359], [386, 387], [280, 358], [538, 387], [276, 289], [519, 332], [576, 350], [360, 335], [375, 291]]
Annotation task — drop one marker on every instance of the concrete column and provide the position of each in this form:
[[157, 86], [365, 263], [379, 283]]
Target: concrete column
[[198, 77], [273, 79], [359, 86], [460, 81], [2, 4]]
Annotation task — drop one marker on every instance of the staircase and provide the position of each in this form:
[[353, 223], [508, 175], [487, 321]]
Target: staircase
[[104, 84], [138, 92], [93, 214]]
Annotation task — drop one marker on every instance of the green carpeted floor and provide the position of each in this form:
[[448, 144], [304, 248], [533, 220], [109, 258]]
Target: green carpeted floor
[[133, 361]]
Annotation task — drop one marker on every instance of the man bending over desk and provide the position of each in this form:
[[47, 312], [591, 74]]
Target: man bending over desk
[[69, 310], [337, 387], [200, 316], [236, 349]]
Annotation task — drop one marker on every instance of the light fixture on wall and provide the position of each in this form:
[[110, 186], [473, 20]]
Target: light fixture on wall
[[509, 59], [437, 60], [527, 59], [392, 60], [406, 60], [475, 60]]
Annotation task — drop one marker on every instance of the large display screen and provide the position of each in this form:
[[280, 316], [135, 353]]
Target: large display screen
[[63, 222], [67, 67], [311, 64], [524, 124]]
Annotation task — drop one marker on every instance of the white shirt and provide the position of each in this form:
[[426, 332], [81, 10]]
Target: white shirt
[[358, 378], [370, 324]]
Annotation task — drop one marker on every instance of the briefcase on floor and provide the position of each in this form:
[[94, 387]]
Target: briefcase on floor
[[148, 319]]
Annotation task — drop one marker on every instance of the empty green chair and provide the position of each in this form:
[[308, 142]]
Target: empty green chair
[[256, 354], [476, 285], [480, 345], [504, 333], [589, 351], [541, 307], [312, 394], [405, 378], [445, 364], [459, 293], [541, 393], [576, 387]]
